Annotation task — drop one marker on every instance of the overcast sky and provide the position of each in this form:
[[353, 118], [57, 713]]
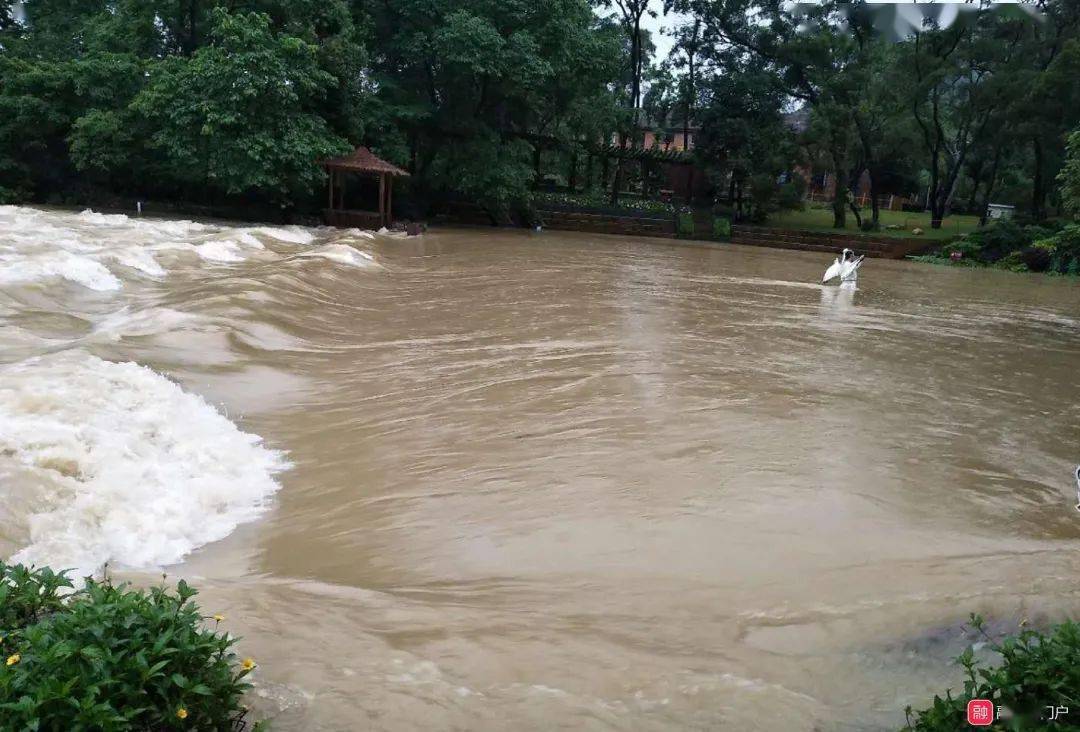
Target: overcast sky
[[663, 23]]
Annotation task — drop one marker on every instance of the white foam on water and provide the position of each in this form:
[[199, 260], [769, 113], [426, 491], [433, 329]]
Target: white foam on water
[[141, 259], [290, 234], [102, 251], [57, 265], [342, 254], [93, 217], [126, 466], [247, 239], [220, 251], [147, 322]]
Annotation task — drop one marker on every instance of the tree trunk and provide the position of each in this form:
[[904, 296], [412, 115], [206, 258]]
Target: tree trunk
[[976, 181], [851, 204], [618, 171], [1038, 188], [990, 183], [875, 203], [536, 167], [571, 180], [933, 194], [837, 150], [193, 31]]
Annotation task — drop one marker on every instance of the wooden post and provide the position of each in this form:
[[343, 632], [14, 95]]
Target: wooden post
[[382, 199], [330, 190], [390, 201]]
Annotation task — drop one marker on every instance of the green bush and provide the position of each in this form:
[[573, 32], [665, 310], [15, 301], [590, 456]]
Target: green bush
[[1036, 671], [108, 657], [968, 248], [684, 224], [721, 228], [1014, 262], [997, 241]]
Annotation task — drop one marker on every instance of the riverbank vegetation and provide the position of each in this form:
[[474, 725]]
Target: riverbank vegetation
[[1033, 683], [1050, 247], [756, 105], [111, 657]]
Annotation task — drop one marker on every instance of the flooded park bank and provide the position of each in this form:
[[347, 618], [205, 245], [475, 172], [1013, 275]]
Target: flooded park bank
[[553, 479]]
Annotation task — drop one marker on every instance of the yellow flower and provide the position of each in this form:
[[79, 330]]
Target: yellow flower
[[218, 618], [13, 659], [247, 664], [181, 713]]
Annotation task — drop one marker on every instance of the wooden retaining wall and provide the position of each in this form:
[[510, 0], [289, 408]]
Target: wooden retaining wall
[[824, 241], [664, 227], [608, 223]]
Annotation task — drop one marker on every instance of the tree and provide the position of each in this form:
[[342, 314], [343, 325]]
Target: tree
[[1070, 176], [237, 115], [468, 92], [743, 139]]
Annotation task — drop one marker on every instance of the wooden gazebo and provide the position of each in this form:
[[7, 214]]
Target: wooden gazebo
[[364, 162]]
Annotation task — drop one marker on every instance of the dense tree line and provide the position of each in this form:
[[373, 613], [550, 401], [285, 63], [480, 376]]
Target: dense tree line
[[206, 100], [212, 100]]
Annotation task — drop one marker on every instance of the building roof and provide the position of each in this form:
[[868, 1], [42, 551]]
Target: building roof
[[362, 160]]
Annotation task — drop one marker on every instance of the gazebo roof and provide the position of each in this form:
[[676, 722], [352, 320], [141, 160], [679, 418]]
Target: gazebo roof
[[362, 160]]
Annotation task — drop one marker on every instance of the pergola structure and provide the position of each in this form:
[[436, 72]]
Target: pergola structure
[[364, 162]]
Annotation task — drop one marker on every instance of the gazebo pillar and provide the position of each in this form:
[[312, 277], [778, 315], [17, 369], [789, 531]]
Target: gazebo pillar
[[382, 199], [389, 201]]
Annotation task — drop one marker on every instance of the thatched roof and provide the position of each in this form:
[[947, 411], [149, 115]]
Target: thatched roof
[[362, 160]]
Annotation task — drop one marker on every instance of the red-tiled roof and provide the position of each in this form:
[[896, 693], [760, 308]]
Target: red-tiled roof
[[362, 160]]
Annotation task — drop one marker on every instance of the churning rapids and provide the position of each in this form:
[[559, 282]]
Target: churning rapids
[[500, 480]]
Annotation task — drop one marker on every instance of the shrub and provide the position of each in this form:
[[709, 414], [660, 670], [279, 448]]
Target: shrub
[[1014, 262], [968, 248], [26, 596], [684, 224], [1036, 670], [1069, 177], [721, 228], [998, 240], [1037, 259], [110, 657]]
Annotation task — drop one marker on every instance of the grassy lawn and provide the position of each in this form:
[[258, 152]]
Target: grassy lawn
[[820, 219]]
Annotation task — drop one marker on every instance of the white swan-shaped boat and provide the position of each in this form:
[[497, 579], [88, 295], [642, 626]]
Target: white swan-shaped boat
[[1078, 487], [846, 267]]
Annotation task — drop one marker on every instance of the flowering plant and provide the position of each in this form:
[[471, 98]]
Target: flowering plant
[[111, 657]]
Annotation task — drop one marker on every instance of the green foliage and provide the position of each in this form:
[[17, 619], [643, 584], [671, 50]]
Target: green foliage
[[721, 228], [26, 596], [684, 224], [237, 116], [109, 657], [1036, 670], [1069, 177]]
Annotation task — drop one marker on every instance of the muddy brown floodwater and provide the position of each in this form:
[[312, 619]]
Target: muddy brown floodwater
[[545, 481]]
